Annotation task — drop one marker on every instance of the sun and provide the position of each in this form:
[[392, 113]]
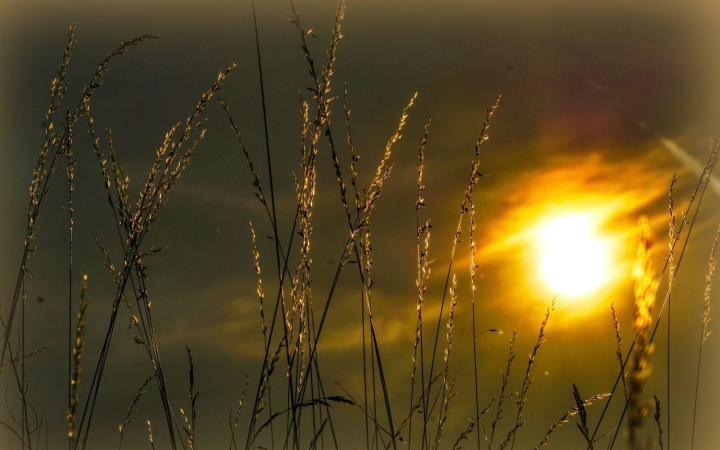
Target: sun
[[573, 260]]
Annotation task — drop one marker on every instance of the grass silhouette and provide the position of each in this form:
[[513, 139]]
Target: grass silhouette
[[293, 404]]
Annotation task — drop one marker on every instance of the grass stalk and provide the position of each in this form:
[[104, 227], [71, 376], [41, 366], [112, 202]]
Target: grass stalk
[[474, 178], [700, 188], [619, 352], [353, 182], [447, 389], [472, 311], [568, 415], [656, 415], [527, 381], [640, 369], [422, 235], [55, 145], [133, 409], [704, 333], [270, 174], [71, 187], [582, 426], [672, 227], [78, 348], [137, 222], [234, 423], [321, 91], [505, 377]]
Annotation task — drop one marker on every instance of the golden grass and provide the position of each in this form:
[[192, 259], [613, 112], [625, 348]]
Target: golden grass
[[640, 368], [78, 348], [291, 350]]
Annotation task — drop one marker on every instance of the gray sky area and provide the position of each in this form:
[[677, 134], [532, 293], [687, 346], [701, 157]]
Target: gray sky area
[[602, 102]]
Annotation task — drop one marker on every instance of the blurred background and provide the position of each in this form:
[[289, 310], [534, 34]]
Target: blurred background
[[602, 102]]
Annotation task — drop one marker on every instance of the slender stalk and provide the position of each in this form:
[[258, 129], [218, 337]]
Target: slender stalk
[[704, 333], [501, 400], [71, 187], [472, 311], [50, 151], [658, 422], [423, 272], [25, 429], [270, 177], [527, 381], [152, 199], [353, 181], [323, 87], [671, 280], [700, 188], [474, 177]]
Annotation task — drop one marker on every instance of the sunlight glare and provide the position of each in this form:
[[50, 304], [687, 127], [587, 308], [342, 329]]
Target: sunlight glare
[[573, 261]]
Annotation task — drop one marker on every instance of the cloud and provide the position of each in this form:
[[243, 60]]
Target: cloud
[[615, 191]]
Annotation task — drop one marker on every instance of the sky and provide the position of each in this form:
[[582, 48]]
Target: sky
[[601, 104]]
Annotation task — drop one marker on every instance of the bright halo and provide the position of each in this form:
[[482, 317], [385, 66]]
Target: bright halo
[[573, 261]]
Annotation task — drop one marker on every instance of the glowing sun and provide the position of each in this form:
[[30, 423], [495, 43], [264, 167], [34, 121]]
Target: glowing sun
[[573, 260]]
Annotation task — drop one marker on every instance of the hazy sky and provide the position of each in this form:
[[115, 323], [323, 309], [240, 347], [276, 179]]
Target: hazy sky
[[601, 103]]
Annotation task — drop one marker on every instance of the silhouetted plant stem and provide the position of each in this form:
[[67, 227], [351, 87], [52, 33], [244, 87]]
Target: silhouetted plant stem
[[705, 176], [704, 333], [474, 177], [700, 187]]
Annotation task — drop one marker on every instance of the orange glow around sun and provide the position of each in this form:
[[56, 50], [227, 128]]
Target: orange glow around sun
[[570, 232]]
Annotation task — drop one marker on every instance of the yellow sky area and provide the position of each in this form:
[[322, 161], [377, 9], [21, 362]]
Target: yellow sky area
[[239, 328], [572, 231]]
